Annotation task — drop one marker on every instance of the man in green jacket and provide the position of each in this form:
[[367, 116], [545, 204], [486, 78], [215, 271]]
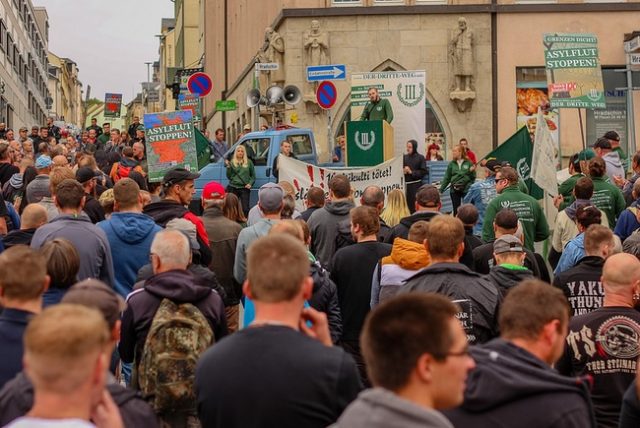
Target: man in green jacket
[[526, 207], [377, 108]]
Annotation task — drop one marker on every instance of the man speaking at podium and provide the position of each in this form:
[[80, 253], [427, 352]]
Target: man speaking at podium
[[377, 108]]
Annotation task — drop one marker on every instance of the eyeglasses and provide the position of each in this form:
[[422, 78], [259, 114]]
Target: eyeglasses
[[463, 353]]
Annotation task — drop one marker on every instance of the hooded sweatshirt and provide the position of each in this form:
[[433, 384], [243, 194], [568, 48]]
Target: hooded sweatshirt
[[323, 225], [380, 408], [614, 165], [130, 235], [179, 286], [16, 399], [405, 259], [512, 388], [507, 276]]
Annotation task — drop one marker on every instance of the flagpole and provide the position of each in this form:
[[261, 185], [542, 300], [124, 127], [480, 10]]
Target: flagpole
[[584, 142]]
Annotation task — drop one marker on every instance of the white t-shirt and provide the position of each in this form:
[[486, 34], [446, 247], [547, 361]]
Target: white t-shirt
[[27, 422]]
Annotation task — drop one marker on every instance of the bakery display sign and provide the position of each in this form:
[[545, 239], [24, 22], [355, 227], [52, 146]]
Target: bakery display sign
[[574, 77]]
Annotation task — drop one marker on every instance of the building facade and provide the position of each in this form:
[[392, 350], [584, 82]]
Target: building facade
[[65, 89], [23, 63], [380, 35]]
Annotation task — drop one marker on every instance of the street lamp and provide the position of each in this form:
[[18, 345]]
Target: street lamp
[[145, 92]]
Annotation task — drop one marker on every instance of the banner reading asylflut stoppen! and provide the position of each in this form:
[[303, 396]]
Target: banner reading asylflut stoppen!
[[387, 176], [406, 91], [573, 69], [170, 143]]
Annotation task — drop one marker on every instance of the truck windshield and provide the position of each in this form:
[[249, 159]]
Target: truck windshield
[[257, 150], [300, 144]]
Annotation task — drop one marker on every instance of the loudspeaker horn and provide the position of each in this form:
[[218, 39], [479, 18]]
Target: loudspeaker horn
[[274, 95], [253, 98], [291, 95]]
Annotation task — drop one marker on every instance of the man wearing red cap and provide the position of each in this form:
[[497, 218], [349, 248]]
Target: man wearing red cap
[[223, 236]]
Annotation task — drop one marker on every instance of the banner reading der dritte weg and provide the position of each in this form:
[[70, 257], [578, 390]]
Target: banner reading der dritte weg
[[573, 69], [405, 91], [387, 176], [112, 105], [170, 143]]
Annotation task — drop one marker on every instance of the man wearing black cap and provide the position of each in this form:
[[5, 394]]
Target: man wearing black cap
[[614, 139], [178, 184], [87, 177], [482, 192], [603, 148]]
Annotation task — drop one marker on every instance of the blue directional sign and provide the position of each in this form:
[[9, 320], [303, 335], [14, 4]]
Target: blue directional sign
[[317, 73]]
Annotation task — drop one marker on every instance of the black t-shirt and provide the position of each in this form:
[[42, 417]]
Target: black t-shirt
[[352, 270], [605, 344], [582, 286], [273, 376], [93, 209], [6, 171]]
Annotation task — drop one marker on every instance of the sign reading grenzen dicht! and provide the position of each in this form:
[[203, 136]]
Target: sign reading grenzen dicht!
[[170, 143], [573, 69], [387, 176]]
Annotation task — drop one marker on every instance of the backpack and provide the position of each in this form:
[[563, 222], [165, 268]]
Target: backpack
[[178, 335], [122, 171]]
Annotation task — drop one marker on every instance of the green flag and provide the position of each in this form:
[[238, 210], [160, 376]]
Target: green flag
[[518, 151]]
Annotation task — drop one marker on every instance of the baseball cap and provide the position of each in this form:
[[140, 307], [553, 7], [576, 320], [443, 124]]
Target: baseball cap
[[612, 135], [247, 127], [602, 143], [96, 294], [586, 154], [23, 129], [212, 188], [43, 161], [140, 128], [177, 175], [270, 197], [85, 174], [428, 195], [493, 165], [187, 228], [507, 244]]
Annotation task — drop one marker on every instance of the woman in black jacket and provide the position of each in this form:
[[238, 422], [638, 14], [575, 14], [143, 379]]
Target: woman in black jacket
[[415, 168]]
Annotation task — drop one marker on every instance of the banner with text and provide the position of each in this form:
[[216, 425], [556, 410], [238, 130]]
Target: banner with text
[[573, 69], [406, 92], [170, 143], [387, 176], [112, 105]]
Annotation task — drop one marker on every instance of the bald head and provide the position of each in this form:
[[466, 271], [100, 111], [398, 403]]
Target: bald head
[[621, 274], [373, 197], [33, 216]]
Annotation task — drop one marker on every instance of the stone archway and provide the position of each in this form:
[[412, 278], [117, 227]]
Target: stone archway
[[434, 113]]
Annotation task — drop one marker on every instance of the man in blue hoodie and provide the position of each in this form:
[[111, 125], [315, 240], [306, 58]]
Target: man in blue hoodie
[[130, 234]]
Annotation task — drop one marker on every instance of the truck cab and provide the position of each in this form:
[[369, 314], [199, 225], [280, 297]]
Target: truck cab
[[262, 148]]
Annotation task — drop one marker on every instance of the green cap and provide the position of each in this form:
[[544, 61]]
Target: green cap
[[586, 154], [140, 128]]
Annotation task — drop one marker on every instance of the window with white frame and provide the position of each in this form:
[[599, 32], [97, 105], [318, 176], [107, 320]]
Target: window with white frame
[[346, 2]]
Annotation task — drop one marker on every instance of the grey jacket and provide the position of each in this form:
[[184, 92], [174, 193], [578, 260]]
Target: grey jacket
[[323, 225], [245, 238], [379, 408], [90, 241]]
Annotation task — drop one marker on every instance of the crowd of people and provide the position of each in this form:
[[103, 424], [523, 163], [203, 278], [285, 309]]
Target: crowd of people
[[120, 307]]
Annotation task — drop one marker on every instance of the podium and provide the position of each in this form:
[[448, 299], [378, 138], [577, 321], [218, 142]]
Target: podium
[[369, 142]]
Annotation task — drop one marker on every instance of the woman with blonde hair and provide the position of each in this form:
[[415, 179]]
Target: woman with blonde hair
[[241, 175], [396, 208]]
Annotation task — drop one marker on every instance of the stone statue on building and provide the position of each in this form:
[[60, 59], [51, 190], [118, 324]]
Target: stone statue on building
[[461, 52], [316, 45], [273, 51], [316, 52]]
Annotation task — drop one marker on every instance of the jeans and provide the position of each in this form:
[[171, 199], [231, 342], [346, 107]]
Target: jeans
[[243, 194]]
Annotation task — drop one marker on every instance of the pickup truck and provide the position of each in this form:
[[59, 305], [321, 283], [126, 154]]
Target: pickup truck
[[265, 146]]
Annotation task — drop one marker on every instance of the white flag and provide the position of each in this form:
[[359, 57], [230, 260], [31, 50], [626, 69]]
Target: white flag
[[545, 157]]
